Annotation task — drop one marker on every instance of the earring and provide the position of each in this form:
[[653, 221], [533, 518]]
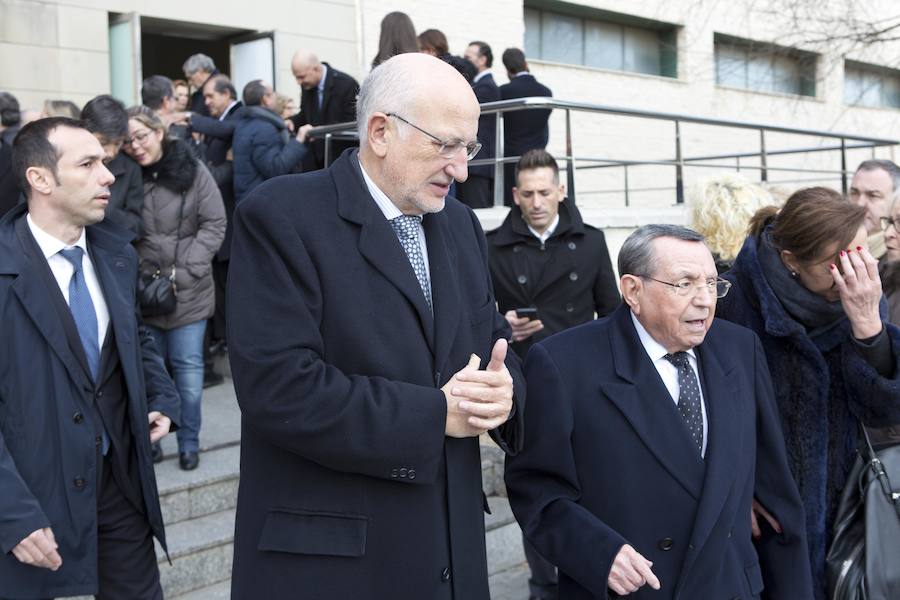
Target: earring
[[793, 273]]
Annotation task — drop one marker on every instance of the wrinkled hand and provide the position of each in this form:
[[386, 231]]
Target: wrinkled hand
[[303, 132], [179, 118], [631, 571], [758, 509], [860, 290], [522, 327], [289, 124], [39, 550], [159, 425], [478, 401]]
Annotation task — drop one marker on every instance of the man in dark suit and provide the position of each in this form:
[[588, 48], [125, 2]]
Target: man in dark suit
[[368, 356], [478, 190], [84, 391], [637, 475], [198, 70], [523, 130], [328, 96]]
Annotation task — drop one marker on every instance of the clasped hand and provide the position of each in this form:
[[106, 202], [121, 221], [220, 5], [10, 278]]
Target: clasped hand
[[478, 401]]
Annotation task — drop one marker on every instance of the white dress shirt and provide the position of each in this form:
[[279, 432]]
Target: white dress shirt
[[63, 270], [547, 232], [480, 76], [669, 372], [391, 211]]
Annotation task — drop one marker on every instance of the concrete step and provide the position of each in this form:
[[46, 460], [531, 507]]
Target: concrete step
[[503, 537], [511, 584], [218, 591], [210, 488], [201, 550], [221, 422]]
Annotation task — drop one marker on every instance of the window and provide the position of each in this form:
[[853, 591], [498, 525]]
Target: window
[[764, 67], [869, 85], [601, 40]]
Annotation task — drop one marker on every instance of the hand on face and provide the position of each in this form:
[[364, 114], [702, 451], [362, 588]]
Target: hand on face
[[859, 287]]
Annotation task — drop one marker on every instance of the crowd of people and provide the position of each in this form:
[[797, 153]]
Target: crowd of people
[[375, 332]]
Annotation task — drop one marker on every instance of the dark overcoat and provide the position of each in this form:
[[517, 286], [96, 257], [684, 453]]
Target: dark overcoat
[[486, 90], [262, 149], [823, 388], [524, 130], [569, 278], [48, 457], [349, 487], [609, 461]]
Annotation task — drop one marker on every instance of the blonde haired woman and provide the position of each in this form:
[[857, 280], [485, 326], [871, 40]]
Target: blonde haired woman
[[721, 208]]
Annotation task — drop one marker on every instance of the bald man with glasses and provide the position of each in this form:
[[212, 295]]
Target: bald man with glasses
[[368, 357]]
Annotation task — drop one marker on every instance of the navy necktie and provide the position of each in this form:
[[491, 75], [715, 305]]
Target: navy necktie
[[407, 229], [688, 396]]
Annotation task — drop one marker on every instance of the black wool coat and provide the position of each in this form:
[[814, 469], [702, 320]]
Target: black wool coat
[[525, 130], [569, 279], [486, 90]]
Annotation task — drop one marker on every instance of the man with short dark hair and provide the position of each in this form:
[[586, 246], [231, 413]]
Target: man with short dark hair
[[328, 96], [478, 190], [648, 436], [10, 119], [262, 145], [158, 94], [199, 69], [85, 391], [106, 118], [873, 186], [523, 130]]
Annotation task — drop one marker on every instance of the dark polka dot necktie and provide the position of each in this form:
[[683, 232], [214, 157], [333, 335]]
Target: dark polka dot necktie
[[407, 229], [688, 396]]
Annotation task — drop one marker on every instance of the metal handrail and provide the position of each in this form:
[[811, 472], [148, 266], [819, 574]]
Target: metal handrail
[[501, 107]]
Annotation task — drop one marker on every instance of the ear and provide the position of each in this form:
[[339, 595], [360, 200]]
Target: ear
[[790, 261], [632, 287], [378, 134], [40, 179], [515, 192], [562, 192]]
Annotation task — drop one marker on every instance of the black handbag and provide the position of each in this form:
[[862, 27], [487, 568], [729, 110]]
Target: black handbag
[[863, 562], [158, 294]]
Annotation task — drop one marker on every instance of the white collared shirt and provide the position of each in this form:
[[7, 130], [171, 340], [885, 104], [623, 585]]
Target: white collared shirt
[[480, 76], [63, 270], [669, 372], [390, 211], [225, 112], [547, 232]]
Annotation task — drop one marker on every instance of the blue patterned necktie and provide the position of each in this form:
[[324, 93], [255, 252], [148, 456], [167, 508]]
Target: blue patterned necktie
[[407, 229], [82, 308], [688, 396]]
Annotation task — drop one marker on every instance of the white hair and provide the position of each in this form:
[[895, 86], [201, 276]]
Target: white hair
[[387, 88]]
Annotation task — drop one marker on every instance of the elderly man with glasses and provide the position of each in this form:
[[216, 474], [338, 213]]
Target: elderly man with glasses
[[648, 435], [368, 357]]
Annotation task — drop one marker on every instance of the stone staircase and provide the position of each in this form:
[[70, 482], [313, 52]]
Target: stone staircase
[[198, 509]]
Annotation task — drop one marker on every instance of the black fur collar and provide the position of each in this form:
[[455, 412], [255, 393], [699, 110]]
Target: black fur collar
[[176, 169]]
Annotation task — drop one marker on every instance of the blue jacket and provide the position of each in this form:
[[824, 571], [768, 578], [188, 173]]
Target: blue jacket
[[262, 148], [47, 447], [822, 388]]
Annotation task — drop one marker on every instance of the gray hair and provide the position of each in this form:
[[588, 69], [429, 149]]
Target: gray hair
[[889, 166], [386, 89], [198, 62], [636, 256]]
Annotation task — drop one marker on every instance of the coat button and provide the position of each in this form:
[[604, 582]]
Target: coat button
[[98, 441], [517, 248], [569, 307], [572, 246], [99, 393], [411, 474], [445, 574], [394, 473], [79, 482], [690, 546], [78, 418], [403, 473], [573, 276], [666, 544], [522, 279]]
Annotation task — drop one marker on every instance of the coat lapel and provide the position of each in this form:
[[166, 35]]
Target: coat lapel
[[444, 284], [378, 242], [112, 271], [645, 402]]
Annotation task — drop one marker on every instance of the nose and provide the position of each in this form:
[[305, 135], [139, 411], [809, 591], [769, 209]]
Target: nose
[[106, 176], [891, 232], [458, 167], [704, 297]]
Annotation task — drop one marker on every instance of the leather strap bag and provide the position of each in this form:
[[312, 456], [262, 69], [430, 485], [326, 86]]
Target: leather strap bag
[[157, 293], [863, 562]]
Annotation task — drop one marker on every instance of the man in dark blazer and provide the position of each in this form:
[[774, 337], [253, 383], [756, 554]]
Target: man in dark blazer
[[83, 390], [328, 96], [478, 190], [523, 130], [365, 372], [638, 476]]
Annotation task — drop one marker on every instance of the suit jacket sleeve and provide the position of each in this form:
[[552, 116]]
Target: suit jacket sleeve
[[133, 207], [542, 482], [212, 127], [272, 159], [347, 100], [286, 389], [784, 559], [20, 511], [509, 436], [874, 399]]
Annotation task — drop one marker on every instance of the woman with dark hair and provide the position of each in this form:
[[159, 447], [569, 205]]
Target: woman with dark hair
[[434, 43], [806, 283], [398, 36], [184, 225]]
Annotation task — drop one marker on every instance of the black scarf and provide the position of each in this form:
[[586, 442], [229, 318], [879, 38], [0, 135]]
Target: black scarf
[[811, 310]]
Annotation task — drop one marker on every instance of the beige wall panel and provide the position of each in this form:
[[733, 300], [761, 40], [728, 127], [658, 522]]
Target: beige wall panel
[[34, 68], [84, 72], [31, 23], [85, 28]]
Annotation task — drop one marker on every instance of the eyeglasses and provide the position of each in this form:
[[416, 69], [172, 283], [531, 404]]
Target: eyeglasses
[[889, 222], [446, 149], [140, 138], [717, 286]]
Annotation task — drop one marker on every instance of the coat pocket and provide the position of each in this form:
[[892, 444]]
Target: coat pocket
[[314, 532], [754, 578]]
